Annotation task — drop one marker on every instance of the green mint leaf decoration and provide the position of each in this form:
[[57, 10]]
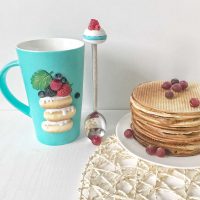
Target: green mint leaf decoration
[[41, 80]]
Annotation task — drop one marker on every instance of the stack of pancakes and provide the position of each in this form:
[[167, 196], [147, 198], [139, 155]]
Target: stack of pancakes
[[169, 123]]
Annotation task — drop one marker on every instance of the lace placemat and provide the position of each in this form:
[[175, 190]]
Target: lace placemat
[[113, 174]]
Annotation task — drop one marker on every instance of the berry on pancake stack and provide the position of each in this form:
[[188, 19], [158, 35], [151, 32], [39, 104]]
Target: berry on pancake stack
[[55, 98]]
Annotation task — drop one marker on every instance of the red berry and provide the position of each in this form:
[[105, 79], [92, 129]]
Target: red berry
[[55, 84], [160, 152], [94, 22], [90, 27], [95, 114], [128, 133], [184, 84], [94, 25], [174, 80], [97, 27], [177, 87], [166, 85], [96, 140], [194, 102], [169, 94], [151, 150], [65, 90]]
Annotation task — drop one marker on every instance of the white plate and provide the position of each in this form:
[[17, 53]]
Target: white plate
[[138, 150]]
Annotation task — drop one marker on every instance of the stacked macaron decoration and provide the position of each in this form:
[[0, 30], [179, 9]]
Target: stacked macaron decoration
[[94, 34], [55, 97]]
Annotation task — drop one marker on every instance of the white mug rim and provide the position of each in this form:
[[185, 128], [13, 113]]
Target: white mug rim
[[50, 45]]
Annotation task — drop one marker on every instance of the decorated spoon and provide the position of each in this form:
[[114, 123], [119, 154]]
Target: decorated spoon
[[95, 123]]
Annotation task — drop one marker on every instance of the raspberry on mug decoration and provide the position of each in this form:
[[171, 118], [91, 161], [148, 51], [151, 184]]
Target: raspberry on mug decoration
[[55, 97]]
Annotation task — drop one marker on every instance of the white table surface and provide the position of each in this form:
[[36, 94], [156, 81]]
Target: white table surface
[[30, 170]]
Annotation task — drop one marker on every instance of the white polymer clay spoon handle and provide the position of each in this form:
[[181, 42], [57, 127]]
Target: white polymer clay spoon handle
[[95, 78]]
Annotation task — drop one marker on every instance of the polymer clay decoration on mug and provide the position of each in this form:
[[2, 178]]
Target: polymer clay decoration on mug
[[55, 98], [52, 71]]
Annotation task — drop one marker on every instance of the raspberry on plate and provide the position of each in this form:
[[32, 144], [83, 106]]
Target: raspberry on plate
[[65, 90], [160, 152], [128, 133], [151, 150]]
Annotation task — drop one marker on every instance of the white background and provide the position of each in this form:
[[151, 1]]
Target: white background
[[147, 40]]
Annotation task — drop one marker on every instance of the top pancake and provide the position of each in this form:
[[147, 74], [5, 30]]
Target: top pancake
[[152, 96]]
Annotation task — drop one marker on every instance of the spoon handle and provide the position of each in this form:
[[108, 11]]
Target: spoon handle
[[94, 68]]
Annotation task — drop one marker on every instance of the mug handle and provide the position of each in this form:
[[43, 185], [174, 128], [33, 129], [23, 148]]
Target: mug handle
[[6, 92]]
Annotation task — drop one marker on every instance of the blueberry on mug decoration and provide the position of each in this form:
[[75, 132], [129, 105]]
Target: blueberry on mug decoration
[[54, 91]]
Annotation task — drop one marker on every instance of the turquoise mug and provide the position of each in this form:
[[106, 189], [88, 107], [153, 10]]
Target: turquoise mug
[[52, 71]]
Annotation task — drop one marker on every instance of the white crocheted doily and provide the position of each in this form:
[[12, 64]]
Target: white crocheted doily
[[113, 174]]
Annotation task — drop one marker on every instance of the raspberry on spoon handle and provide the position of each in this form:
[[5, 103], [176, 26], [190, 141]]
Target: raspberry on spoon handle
[[94, 34]]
